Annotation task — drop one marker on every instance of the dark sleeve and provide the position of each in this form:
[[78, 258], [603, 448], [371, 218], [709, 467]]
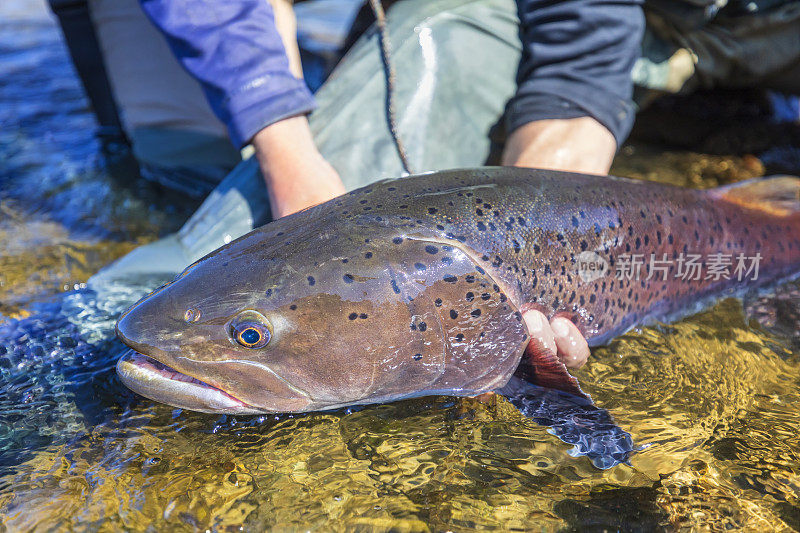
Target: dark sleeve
[[233, 49], [577, 61]]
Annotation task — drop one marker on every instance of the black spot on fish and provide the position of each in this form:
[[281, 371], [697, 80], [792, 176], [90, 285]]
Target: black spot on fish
[[431, 249], [423, 326], [469, 278], [293, 307], [438, 302], [395, 288], [362, 316], [449, 278], [575, 222], [453, 314], [419, 266], [353, 316], [481, 226], [480, 270], [470, 296], [447, 260], [460, 337], [476, 313], [432, 210], [417, 356], [311, 280], [485, 296], [368, 255], [397, 240], [348, 278]]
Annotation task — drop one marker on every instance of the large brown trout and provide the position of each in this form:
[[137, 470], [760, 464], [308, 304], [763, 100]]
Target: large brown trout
[[416, 286]]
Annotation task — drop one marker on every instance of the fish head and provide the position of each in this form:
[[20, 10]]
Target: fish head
[[289, 322]]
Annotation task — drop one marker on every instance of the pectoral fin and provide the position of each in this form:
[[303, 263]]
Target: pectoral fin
[[541, 366]]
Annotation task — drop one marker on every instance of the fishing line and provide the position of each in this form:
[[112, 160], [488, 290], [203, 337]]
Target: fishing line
[[386, 55]]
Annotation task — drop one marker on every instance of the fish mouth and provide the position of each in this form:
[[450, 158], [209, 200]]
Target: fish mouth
[[162, 383]]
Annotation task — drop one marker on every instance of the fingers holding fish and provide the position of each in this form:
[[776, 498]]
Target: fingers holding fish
[[540, 330], [573, 350], [558, 335]]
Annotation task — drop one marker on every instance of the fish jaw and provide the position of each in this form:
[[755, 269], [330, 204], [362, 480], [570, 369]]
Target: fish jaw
[[156, 381]]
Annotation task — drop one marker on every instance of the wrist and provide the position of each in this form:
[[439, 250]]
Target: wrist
[[296, 174], [284, 139], [574, 145]]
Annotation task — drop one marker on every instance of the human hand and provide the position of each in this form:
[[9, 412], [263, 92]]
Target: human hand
[[296, 174], [559, 336], [574, 145]]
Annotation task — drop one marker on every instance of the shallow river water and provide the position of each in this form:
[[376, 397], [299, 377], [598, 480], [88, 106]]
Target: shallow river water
[[711, 401]]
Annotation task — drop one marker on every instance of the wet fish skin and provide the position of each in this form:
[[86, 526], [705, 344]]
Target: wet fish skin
[[416, 286]]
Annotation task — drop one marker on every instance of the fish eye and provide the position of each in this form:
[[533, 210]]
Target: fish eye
[[250, 330], [251, 335]]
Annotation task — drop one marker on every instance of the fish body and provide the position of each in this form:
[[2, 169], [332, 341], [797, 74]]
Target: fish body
[[417, 286]]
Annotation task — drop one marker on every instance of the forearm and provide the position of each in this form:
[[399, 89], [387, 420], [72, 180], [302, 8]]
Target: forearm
[[573, 105], [296, 174], [575, 145], [235, 51]]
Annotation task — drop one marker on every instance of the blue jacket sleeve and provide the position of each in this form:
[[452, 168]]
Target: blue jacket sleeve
[[233, 49], [577, 61]]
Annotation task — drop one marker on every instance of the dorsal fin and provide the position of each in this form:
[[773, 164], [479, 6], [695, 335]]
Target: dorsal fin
[[777, 195]]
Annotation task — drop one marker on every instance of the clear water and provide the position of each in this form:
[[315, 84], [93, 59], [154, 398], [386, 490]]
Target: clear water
[[711, 399]]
